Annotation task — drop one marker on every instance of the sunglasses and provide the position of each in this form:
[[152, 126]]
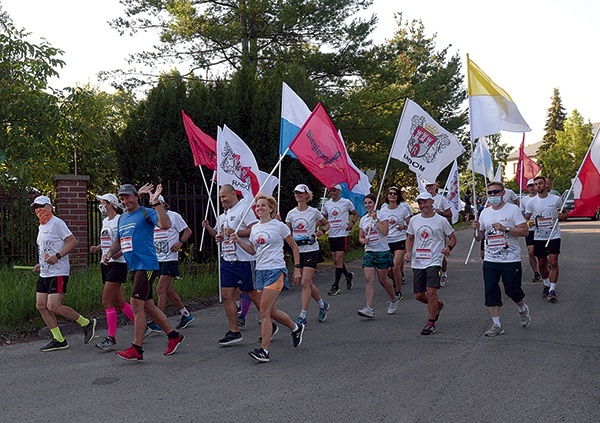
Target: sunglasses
[[39, 206], [494, 191], [392, 193]]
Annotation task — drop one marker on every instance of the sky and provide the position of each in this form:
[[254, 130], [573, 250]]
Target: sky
[[527, 47]]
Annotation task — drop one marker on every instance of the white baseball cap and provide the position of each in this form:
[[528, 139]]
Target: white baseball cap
[[111, 198], [530, 182], [337, 186], [42, 200], [424, 196], [302, 188]]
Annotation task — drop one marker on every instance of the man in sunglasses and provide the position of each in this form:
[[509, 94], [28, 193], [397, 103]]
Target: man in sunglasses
[[545, 209], [500, 225], [529, 238], [442, 207]]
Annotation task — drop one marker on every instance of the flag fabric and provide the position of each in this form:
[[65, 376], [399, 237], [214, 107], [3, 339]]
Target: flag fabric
[[481, 162], [320, 149], [294, 113], [357, 194], [490, 107], [203, 146], [421, 184], [452, 191], [236, 164], [271, 184], [587, 184], [498, 174], [423, 144], [526, 168]]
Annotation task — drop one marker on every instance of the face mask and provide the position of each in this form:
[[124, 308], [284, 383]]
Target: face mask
[[102, 209], [495, 201], [44, 215]]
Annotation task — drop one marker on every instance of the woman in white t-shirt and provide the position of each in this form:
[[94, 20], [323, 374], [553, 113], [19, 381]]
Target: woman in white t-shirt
[[266, 244], [377, 259], [307, 224], [114, 274]]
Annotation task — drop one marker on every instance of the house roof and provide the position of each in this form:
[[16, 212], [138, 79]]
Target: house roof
[[530, 150]]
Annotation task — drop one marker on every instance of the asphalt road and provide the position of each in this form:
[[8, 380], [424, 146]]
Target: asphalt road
[[348, 369]]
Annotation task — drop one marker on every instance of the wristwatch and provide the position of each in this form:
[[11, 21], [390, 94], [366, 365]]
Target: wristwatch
[[298, 266], [58, 256], [507, 230]]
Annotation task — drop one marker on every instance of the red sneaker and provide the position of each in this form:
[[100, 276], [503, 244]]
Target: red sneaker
[[130, 354], [173, 344]]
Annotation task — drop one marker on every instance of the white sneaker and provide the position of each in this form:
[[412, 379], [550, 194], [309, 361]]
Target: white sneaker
[[392, 307], [525, 317], [366, 312], [443, 281], [495, 330]]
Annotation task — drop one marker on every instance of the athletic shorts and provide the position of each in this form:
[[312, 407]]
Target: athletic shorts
[[338, 244], [238, 274], [311, 259], [378, 259], [114, 272], [511, 274], [540, 249], [426, 278], [529, 238], [52, 285], [273, 279], [168, 268], [142, 281], [397, 246]]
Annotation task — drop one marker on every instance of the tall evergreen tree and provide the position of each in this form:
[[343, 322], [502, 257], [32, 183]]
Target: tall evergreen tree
[[555, 121]]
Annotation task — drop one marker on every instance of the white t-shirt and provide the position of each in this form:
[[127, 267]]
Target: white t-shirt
[[501, 247], [396, 217], [524, 201], [430, 239], [108, 234], [337, 214], [268, 239], [441, 202], [544, 213], [377, 240], [509, 196], [304, 227], [231, 219], [50, 240], [164, 239]]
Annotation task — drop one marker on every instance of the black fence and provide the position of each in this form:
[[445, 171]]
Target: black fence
[[18, 229]]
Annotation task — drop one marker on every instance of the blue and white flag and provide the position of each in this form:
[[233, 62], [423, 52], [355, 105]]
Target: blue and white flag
[[481, 162], [294, 113]]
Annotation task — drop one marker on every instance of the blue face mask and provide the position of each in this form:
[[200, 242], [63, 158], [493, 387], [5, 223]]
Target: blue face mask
[[495, 201]]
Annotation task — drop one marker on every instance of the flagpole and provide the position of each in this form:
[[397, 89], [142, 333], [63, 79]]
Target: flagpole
[[279, 184], [324, 196], [210, 203], [219, 250], [212, 184], [572, 184]]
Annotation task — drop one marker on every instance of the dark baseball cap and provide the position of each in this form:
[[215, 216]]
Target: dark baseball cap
[[127, 189]]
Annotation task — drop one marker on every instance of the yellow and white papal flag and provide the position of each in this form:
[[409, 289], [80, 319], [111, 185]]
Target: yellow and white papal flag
[[490, 107]]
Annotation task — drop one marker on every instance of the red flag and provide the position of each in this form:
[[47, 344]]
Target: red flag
[[320, 149], [589, 177], [526, 168], [203, 146]]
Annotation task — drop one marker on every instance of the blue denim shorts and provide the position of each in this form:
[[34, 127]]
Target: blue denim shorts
[[275, 279]]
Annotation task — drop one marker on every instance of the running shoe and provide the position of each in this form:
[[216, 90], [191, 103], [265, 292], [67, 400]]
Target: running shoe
[[154, 327], [107, 344], [54, 345], [241, 321], [403, 279], [259, 355], [536, 277], [349, 280], [366, 312], [185, 321], [275, 330], [443, 281], [323, 312], [173, 344], [147, 332], [525, 317], [552, 296], [399, 296], [495, 330], [441, 305], [428, 329], [131, 354], [335, 289], [231, 338], [545, 291], [392, 307], [297, 335], [89, 331], [301, 320]]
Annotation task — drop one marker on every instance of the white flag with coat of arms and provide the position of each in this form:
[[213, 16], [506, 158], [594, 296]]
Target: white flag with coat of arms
[[423, 144], [452, 191]]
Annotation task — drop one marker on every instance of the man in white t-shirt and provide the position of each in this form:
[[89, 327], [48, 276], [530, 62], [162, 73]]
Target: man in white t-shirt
[[55, 242], [500, 225], [342, 217], [425, 249], [442, 207], [529, 238]]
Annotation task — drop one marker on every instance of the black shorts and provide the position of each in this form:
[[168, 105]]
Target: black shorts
[[114, 272], [168, 268], [311, 259], [52, 285], [540, 249], [426, 278], [396, 246], [142, 284], [338, 244], [529, 238], [511, 275]]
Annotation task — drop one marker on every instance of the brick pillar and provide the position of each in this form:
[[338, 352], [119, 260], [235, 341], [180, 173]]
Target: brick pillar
[[71, 207]]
